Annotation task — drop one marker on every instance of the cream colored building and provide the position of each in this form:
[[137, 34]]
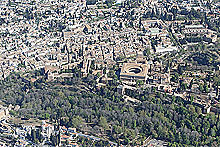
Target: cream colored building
[[3, 112], [131, 72]]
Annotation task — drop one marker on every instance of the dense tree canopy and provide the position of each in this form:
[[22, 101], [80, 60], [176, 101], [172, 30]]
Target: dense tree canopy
[[104, 111]]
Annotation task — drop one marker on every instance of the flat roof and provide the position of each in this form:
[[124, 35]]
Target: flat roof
[[194, 26], [154, 30], [165, 49]]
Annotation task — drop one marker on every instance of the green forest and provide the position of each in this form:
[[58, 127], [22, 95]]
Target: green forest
[[79, 103]]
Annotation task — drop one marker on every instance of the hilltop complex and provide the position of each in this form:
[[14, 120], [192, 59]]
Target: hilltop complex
[[109, 73]]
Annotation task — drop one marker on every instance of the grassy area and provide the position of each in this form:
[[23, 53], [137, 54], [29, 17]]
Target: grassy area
[[19, 121]]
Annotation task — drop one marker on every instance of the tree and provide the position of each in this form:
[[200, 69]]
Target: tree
[[147, 52], [103, 123], [201, 87], [173, 99], [191, 99], [139, 82], [205, 87], [135, 124], [34, 136], [39, 135], [9, 3], [212, 132], [191, 84]]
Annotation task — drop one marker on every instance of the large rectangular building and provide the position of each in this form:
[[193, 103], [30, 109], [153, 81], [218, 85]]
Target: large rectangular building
[[131, 72], [195, 29], [3, 112]]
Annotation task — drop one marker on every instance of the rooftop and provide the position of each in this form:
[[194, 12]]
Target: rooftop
[[134, 69]]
